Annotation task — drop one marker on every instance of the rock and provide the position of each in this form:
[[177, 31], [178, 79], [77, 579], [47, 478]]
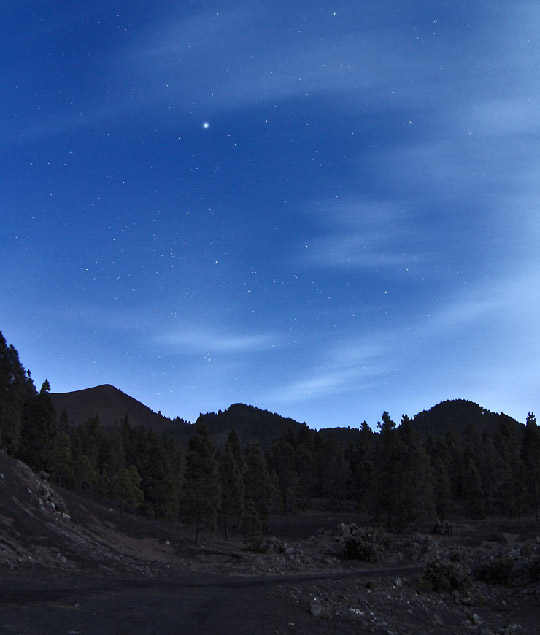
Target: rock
[[315, 608], [356, 612], [475, 619], [511, 628], [345, 530]]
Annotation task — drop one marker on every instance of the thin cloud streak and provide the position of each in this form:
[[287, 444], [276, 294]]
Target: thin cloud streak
[[208, 342], [359, 233], [498, 318], [207, 61]]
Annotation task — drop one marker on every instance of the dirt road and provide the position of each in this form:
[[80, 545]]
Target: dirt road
[[217, 606]]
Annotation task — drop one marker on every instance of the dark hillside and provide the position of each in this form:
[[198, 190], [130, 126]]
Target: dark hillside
[[250, 423], [38, 528], [460, 414], [111, 406]]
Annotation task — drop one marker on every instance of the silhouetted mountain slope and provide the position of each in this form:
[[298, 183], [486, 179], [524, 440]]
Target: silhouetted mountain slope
[[111, 406], [250, 423], [459, 414]]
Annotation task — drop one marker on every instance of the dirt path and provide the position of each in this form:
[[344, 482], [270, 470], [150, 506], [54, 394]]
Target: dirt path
[[246, 605]]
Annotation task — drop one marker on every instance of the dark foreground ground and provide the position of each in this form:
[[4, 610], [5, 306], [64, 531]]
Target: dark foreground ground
[[192, 606], [257, 605], [70, 566]]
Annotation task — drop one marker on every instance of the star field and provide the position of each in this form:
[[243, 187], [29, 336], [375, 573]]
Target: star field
[[324, 210]]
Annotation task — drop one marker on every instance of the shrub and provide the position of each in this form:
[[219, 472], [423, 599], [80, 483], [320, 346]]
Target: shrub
[[444, 576], [367, 544]]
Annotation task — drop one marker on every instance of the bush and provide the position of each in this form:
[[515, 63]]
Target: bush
[[444, 576], [497, 571], [367, 544]]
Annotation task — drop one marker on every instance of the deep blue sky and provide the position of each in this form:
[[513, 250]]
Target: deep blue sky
[[325, 209]]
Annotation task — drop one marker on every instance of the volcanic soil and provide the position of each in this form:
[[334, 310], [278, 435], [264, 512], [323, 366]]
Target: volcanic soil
[[69, 565]]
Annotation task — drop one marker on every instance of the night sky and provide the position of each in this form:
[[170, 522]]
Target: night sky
[[323, 209]]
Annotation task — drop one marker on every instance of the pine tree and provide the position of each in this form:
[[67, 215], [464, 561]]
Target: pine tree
[[137, 494], [508, 447], [305, 462], [201, 483], [257, 484], [442, 488], [474, 500], [39, 429], [158, 483], [13, 393], [416, 498], [361, 466], [86, 477], [530, 458], [387, 473], [334, 470], [232, 489], [253, 533], [127, 487], [122, 487], [234, 442], [61, 461], [281, 459], [115, 454]]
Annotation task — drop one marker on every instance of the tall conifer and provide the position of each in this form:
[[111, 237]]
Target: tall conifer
[[201, 483]]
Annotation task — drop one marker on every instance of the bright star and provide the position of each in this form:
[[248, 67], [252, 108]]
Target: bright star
[[206, 125]]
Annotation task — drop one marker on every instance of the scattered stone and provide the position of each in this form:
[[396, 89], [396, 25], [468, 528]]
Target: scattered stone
[[315, 608], [511, 628], [474, 618]]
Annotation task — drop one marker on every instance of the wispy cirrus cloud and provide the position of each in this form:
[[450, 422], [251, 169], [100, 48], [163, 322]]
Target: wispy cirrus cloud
[[241, 57], [479, 343], [357, 233], [351, 366], [211, 342]]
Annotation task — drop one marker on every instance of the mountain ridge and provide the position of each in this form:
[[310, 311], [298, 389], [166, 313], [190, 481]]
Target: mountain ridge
[[111, 405]]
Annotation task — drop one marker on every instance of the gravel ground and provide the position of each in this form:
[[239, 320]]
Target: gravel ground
[[69, 565]]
